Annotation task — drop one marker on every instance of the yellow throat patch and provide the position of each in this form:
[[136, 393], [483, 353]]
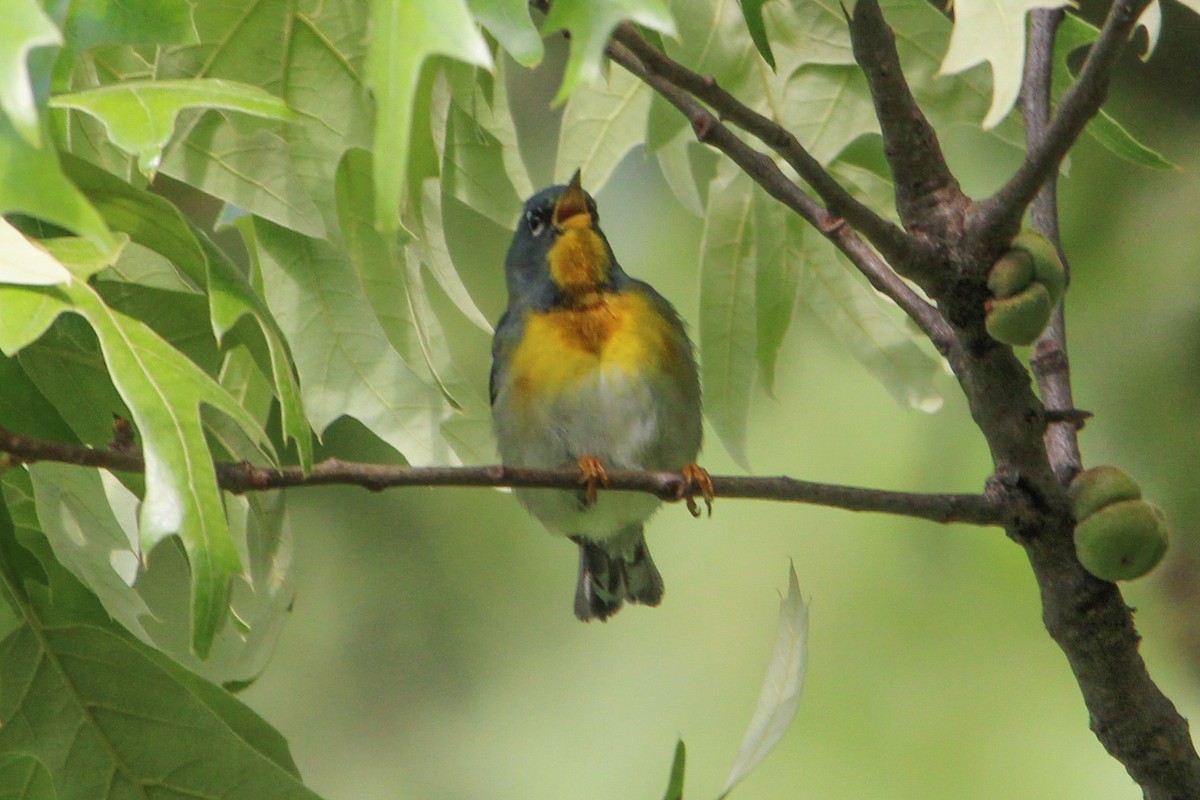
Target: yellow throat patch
[[579, 259], [564, 346]]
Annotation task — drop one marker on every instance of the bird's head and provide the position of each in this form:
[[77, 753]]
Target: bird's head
[[558, 251]]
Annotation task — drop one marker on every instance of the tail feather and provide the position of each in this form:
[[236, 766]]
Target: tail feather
[[614, 571]]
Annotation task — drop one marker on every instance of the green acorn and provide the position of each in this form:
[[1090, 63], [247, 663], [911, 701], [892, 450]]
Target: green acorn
[[1121, 541], [1020, 319], [1097, 487], [1047, 267], [1011, 273], [1026, 283]]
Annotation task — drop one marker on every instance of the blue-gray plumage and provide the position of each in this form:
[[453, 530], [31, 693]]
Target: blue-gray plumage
[[591, 367]]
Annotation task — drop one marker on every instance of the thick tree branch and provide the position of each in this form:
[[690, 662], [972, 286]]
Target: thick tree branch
[[928, 196], [892, 242], [763, 170], [999, 217], [982, 509], [1088, 618]]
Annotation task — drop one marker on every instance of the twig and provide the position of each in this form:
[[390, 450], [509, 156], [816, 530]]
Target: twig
[[893, 243], [999, 217], [1050, 364], [927, 193], [763, 170], [983, 509]]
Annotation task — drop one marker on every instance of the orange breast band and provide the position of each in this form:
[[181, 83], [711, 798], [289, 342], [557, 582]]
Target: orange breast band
[[561, 347]]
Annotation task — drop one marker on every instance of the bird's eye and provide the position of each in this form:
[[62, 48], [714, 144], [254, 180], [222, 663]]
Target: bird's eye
[[537, 219]]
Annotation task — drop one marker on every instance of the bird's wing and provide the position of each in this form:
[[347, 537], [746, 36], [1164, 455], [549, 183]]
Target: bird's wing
[[508, 333]]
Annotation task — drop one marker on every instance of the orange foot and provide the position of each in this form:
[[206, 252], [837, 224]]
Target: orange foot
[[592, 474], [696, 479]]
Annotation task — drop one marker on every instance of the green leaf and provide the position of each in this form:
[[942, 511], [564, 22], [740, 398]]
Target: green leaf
[[828, 107], [509, 22], [24, 777], [231, 298], [346, 364], [602, 122], [270, 44], [781, 688], [404, 34], [868, 326], [163, 391], [993, 31], [779, 236], [752, 13], [23, 262], [434, 253], [712, 41], [474, 165], [675, 163], [1113, 136], [808, 33], [43, 191], [678, 766], [728, 335], [27, 314], [496, 117], [110, 740], [148, 219], [25, 410], [1073, 34], [590, 24], [25, 27], [93, 22], [124, 719], [82, 258], [151, 221], [262, 598], [75, 513], [393, 283], [80, 134], [140, 115], [816, 33], [249, 169], [469, 430], [142, 266]]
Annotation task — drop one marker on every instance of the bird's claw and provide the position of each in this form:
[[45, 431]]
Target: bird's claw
[[696, 478], [592, 475]]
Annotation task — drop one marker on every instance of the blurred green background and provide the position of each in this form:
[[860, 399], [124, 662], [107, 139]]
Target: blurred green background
[[432, 652]]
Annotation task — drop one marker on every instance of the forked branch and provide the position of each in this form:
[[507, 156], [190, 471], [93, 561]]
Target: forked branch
[[763, 170], [999, 217], [928, 196], [893, 243]]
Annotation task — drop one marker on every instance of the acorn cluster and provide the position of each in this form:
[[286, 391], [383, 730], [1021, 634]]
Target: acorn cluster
[[1118, 535], [1026, 284]]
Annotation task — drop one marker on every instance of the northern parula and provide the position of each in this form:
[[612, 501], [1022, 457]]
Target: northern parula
[[591, 367]]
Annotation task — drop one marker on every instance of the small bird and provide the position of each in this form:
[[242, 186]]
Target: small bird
[[592, 368]]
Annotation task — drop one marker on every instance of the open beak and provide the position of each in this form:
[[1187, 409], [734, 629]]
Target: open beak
[[571, 203]]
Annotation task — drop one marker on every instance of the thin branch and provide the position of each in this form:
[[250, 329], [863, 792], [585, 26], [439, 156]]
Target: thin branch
[[239, 478], [927, 193], [764, 171], [999, 216], [1050, 364], [897, 246]]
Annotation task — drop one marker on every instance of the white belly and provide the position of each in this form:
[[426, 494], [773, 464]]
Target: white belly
[[609, 415]]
